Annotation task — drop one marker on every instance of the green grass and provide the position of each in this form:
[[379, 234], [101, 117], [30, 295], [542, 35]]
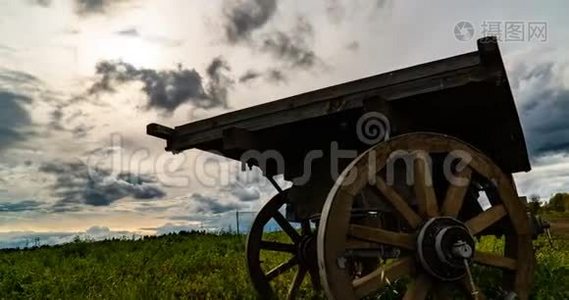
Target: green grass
[[195, 266]]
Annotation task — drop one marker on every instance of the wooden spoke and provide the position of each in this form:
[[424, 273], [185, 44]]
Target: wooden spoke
[[456, 193], [285, 225], [278, 270], [382, 236], [494, 260], [424, 190], [398, 203], [486, 219], [418, 289], [380, 277], [297, 281], [276, 246]]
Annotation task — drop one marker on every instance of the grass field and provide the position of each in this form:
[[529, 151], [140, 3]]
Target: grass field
[[193, 266]]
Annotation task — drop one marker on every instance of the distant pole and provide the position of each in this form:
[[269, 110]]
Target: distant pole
[[237, 220]]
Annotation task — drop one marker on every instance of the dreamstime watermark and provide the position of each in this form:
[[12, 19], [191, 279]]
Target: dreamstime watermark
[[504, 31], [212, 169]]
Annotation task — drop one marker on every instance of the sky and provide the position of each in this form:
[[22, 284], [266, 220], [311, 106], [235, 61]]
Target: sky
[[80, 79]]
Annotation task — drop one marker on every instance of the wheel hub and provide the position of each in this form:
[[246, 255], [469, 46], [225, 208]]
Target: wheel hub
[[444, 248]]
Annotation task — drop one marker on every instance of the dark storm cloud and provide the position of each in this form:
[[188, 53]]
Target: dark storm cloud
[[26, 205], [77, 184], [219, 83], [205, 204], [243, 17], [544, 106], [14, 118], [293, 48], [167, 89], [90, 7]]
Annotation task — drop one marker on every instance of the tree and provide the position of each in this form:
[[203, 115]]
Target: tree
[[559, 202], [534, 204]]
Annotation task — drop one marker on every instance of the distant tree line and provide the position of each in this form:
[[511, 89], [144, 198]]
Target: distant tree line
[[558, 203]]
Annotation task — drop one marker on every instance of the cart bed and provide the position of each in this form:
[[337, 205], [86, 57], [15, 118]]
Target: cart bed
[[467, 96]]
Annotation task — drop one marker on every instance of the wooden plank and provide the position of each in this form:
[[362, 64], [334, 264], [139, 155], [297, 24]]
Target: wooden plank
[[486, 219], [382, 236], [398, 203], [442, 66], [238, 138], [191, 134]]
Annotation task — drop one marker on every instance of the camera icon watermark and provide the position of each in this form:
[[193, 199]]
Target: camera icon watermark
[[504, 31]]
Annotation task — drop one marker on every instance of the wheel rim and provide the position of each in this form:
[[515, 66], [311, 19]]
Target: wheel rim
[[337, 231], [302, 251]]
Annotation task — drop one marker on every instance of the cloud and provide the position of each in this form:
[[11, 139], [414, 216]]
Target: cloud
[[98, 230], [167, 89], [14, 118], [90, 7], [42, 3], [18, 81], [26, 205], [77, 184], [541, 85], [292, 47], [353, 46], [219, 83], [335, 11], [23, 239], [243, 17], [174, 228], [270, 75], [205, 204], [248, 76], [245, 193], [132, 32]]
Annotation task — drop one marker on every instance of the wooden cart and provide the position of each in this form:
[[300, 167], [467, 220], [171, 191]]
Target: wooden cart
[[431, 153]]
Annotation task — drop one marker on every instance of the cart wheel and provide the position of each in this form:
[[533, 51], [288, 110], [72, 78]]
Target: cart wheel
[[441, 218], [298, 255]]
